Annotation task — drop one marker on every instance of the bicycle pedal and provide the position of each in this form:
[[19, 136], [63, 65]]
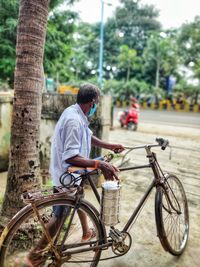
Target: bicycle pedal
[[116, 235]]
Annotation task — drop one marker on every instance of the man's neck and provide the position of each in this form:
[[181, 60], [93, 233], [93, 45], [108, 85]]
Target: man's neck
[[84, 108]]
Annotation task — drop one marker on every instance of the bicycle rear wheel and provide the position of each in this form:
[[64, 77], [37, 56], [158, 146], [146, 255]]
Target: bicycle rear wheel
[[172, 216], [26, 233]]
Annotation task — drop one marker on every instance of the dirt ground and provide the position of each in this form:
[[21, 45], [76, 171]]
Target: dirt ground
[[146, 250]]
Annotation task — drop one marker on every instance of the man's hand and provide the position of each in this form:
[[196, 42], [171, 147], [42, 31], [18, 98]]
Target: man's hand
[[117, 148], [108, 170]]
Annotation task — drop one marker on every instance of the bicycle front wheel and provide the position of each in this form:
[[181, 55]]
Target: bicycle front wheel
[[172, 216], [27, 234]]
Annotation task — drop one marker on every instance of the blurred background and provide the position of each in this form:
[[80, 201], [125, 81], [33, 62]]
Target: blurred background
[[147, 49]]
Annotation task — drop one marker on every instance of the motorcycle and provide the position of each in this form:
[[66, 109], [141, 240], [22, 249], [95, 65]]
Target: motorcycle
[[129, 118]]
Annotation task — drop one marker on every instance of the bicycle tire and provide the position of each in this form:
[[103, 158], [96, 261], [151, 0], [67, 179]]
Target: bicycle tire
[[172, 223], [24, 232]]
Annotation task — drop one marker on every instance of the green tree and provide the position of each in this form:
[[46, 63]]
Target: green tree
[[124, 90], [128, 60], [188, 41], [136, 21], [58, 48], [160, 58], [189, 51], [8, 24], [131, 25], [58, 45], [118, 31], [84, 58]]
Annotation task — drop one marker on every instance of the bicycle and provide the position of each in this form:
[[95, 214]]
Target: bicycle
[[66, 248]]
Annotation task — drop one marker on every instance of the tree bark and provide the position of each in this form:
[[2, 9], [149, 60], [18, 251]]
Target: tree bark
[[24, 166]]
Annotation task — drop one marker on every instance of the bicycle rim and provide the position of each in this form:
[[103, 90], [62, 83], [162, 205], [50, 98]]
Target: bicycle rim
[[27, 232], [172, 216]]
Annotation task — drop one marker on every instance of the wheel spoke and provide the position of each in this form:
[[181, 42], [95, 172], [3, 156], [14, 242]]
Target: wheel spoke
[[174, 216], [27, 235]]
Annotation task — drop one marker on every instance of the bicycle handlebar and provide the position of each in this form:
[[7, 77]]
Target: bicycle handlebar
[[163, 143]]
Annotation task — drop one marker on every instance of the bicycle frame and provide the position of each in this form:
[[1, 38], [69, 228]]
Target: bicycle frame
[[158, 179], [153, 164]]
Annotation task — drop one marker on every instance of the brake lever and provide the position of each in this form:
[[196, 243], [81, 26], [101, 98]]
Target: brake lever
[[108, 157], [170, 152]]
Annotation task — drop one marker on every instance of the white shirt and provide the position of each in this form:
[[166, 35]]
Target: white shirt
[[71, 137]]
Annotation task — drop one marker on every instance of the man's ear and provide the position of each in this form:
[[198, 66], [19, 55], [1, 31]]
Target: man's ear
[[91, 104]]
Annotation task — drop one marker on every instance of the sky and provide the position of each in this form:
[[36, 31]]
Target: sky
[[173, 13]]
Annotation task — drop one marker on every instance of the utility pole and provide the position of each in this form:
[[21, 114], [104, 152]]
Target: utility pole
[[100, 79]]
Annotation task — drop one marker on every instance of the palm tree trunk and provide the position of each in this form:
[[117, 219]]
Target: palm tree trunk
[[24, 166]]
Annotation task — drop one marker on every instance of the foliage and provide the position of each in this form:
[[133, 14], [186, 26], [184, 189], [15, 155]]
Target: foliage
[[136, 21], [124, 90], [8, 26], [189, 52], [189, 45], [55, 3], [84, 59], [118, 31], [58, 44], [160, 57], [128, 60], [131, 25], [188, 90], [135, 48], [59, 41]]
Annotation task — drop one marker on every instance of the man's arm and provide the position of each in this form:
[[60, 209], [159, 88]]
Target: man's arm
[[114, 147], [108, 170], [81, 161]]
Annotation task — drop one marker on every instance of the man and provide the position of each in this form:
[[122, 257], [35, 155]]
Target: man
[[72, 139], [71, 145]]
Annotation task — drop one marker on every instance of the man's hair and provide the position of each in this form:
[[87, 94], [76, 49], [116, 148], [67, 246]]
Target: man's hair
[[87, 93]]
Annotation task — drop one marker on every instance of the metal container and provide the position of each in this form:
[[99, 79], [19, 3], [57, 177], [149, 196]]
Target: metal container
[[110, 203]]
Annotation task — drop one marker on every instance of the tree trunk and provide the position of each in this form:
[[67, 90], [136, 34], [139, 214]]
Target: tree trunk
[[24, 166], [157, 84], [128, 73]]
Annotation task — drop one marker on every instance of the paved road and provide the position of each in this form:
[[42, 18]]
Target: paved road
[[186, 119]]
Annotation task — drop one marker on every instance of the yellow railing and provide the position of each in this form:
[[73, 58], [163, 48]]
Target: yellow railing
[[64, 89], [163, 105]]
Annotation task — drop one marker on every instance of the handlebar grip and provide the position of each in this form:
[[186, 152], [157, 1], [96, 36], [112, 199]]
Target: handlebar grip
[[117, 150], [162, 142], [165, 144]]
